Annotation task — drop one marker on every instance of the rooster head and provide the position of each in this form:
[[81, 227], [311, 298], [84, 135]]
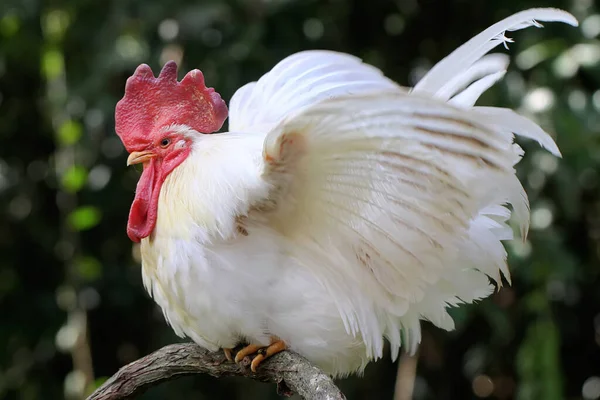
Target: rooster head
[[153, 120]]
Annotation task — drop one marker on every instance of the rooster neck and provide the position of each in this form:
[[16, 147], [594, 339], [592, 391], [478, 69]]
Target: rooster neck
[[218, 181]]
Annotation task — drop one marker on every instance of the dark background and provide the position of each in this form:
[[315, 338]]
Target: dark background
[[72, 306]]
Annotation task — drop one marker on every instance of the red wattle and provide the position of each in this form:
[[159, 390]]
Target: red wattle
[[143, 213], [144, 210]]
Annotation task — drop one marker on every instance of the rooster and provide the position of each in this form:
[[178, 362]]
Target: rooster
[[340, 208]]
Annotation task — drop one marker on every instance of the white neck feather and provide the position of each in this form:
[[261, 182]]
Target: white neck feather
[[202, 197]]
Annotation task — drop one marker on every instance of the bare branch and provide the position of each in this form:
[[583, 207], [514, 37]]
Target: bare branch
[[291, 372]]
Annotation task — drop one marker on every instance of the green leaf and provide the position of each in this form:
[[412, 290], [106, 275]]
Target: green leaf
[[9, 25], [69, 133], [536, 301], [88, 268], [538, 363], [53, 64], [74, 179], [84, 218], [539, 52], [55, 24]]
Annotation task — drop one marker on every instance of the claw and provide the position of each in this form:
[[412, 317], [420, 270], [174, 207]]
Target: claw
[[256, 362], [275, 347], [228, 354], [262, 353], [247, 351]]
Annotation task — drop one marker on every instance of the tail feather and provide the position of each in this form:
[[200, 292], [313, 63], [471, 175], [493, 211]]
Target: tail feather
[[488, 65], [469, 53], [469, 96], [460, 79], [511, 122]]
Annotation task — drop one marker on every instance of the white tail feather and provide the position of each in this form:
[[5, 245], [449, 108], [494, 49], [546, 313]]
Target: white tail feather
[[512, 122], [487, 65], [469, 96], [469, 53]]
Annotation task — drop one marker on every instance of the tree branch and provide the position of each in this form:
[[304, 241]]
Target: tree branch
[[291, 372]]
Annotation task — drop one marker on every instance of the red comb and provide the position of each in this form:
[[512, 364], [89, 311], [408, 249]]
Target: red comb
[[150, 103]]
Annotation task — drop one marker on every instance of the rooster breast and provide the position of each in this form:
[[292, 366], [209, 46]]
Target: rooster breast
[[195, 285], [210, 293]]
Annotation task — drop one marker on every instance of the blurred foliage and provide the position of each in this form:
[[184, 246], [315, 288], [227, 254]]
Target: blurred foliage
[[71, 301]]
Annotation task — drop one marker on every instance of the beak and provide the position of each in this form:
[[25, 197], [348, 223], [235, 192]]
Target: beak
[[139, 157]]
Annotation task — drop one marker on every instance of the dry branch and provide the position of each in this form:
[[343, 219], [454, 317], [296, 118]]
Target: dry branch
[[291, 372]]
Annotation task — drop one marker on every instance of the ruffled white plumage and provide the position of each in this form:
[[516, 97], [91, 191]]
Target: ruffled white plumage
[[387, 180], [420, 183], [299, 81], [380, 204]]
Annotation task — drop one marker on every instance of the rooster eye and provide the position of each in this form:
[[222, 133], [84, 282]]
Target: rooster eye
[[165, 142]]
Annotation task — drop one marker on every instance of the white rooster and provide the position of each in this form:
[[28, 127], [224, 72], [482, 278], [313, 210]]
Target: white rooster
[[338, 211]]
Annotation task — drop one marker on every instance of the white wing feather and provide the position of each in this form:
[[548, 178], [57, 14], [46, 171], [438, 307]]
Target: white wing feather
[[395, 201], [378, 193], [301, 80]]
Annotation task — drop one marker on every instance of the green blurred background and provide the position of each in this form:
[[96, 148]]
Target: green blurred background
[[72, 306]]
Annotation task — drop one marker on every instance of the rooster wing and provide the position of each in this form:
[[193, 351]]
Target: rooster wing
[[399, 195]]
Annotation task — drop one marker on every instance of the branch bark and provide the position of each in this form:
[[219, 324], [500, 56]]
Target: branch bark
[[291, 372]]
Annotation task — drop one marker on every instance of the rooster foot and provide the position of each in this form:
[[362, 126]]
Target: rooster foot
[[262, 353], [227, 353]]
